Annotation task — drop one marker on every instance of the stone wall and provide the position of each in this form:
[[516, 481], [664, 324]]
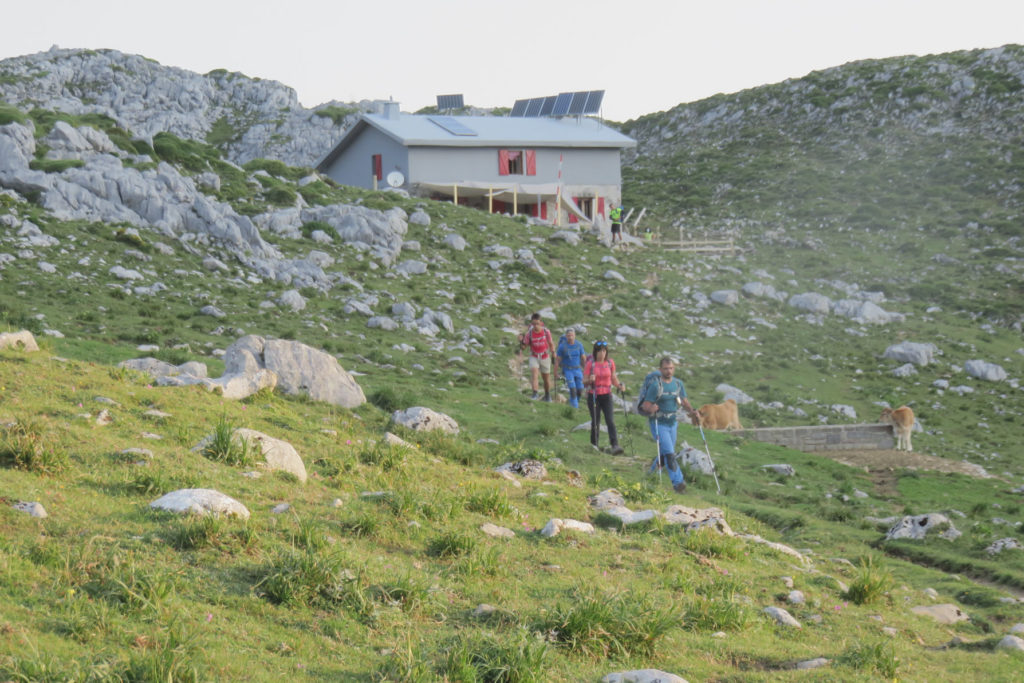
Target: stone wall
[[864, 437]]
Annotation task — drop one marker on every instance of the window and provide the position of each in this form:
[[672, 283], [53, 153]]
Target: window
[[517, 162], [377, 163]]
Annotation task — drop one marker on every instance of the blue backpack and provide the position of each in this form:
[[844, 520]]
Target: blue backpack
[[653, 377]]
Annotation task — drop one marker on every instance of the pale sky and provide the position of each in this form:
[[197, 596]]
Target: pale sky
[[648, 55]]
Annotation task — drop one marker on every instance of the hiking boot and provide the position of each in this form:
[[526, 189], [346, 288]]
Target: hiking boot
[[596, 448], [680, 487], [547, 398], [616, 450], [536, 395]]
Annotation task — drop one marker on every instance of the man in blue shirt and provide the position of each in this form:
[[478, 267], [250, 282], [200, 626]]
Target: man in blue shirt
[[571, 355], [660, 404]]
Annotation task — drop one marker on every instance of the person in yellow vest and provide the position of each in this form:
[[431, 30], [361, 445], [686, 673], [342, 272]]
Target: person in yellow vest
[[615, 215]]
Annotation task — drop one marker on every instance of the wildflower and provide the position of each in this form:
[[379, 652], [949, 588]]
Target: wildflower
[[209, 617]]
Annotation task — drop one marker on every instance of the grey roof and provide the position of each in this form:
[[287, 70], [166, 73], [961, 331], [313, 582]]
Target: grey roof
[[416, 130]]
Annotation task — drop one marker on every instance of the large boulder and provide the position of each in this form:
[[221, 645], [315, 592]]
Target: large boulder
[[22, 339], [200, 502], [276, 454], [642, 676], [811, 302], [989, 372], [299, 369]]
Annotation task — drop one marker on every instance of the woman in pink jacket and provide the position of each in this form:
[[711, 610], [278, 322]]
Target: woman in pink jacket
[[600, 377]]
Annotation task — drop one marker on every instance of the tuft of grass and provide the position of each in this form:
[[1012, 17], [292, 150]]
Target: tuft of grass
[[877, 658], [710, 614], [31, 444], [870, 584], [611, 626], [493, 659], [196, 532], [711, 543], [451, 544], [226, 448], [493, 502]]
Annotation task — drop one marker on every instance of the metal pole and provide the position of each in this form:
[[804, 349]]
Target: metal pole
[[708, 451]]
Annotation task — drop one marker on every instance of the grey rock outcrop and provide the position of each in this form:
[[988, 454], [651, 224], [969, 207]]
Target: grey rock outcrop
[[298, 368], [943, 614], [276, 454], [781, 617], [642, 676], [917, 527], [811, 302]]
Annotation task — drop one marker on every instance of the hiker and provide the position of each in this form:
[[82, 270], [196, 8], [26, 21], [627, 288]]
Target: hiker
[[659, 402], [616, 218], [570, 356], [542, 348], [601, 377]]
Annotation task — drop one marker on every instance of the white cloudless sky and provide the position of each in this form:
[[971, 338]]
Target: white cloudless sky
[[648, 55]]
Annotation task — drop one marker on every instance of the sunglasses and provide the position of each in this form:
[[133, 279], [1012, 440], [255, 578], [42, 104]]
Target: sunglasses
[[600, 344]]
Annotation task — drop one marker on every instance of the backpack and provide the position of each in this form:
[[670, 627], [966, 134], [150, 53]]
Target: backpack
[[654, 376]]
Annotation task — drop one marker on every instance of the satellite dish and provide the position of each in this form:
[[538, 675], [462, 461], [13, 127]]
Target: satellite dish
[[396, 179]]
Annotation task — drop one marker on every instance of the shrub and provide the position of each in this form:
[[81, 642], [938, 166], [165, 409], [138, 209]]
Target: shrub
[[492, 502], [309, 578], [281, 196], [708, 615], [711, 543]]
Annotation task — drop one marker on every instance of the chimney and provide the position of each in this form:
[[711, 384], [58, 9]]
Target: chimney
[[391, 111]]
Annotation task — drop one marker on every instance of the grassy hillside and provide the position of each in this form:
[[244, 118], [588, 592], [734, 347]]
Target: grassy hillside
[[342, 586]]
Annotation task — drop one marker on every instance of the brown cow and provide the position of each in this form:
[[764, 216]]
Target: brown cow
[[902, 421], [719, 415]]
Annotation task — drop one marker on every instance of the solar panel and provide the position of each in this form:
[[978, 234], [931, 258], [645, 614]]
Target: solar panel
[[452, 125], [593, 105], [549, 104], [449, 102], [579, 100], [562, 102], [534, 107], [519, 108]]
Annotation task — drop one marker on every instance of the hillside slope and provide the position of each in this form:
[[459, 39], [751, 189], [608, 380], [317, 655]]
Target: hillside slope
[[111, 246]]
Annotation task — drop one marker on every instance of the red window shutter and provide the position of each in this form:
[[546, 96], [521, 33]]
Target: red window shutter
[[502, 162], [572, 216], [378, 167], [600, 206], [531, 162], [543, 211]]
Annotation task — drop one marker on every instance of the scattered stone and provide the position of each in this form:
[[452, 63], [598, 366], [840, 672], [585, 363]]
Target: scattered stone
[[1010, 643], [1008, 543], [495, 531], [33, 509], [917, 527], [816, 663], [931, 593], [943, 614], [642, 676], [200, 502], [483, 610], [104, 418], [423, 419], [781, 617], [276, 454], [787, 581], [556, 526], [989, 372], [911, 352], [782, 469], [795, 598], [527, 469], [280, 508]]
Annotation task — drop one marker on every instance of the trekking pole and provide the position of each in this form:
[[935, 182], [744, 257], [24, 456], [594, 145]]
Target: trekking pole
[[708, 451], [625, 414], [657, 441]]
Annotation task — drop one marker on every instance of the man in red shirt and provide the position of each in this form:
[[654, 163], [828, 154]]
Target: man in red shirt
[[542, 350]]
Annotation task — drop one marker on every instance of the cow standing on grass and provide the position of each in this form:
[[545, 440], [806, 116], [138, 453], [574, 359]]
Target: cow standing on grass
[[719, 415], [902, 421]]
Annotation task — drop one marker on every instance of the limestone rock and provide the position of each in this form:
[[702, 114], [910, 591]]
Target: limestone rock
[[201, 502], [33, 509], [22, 339], [423, 419], [277, 454], [642, 676], [1008, 543], [495, 531], [527, 469], [697, 518], [811, 302], [917, 527], [556, 526], [781, 469], [1010, 643], [781, 617], [911, 352], [989, 372], [943, 614]]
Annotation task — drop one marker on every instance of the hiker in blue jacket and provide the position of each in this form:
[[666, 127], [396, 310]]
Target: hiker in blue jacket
[[660, 403], [571, 356]]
